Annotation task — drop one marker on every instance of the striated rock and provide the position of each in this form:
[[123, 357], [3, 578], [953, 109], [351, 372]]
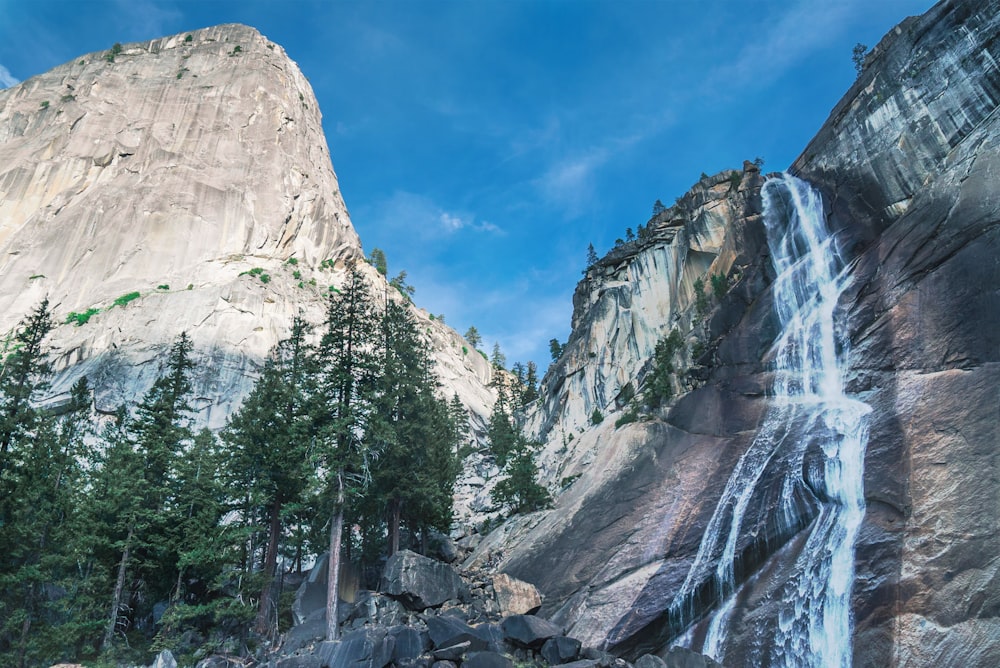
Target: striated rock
[[907, 164], [173, 172], [516, 597], [487, 660], [364, 648], [419, 582]]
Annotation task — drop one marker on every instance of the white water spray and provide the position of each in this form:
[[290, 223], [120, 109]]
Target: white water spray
[[809, 409]]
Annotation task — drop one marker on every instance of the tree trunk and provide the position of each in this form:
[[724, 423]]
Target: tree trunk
[[333, 563], [263, 625], [116, 598], [395, 510]]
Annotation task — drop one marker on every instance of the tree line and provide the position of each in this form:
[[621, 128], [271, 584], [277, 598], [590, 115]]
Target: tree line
[[141, 533]]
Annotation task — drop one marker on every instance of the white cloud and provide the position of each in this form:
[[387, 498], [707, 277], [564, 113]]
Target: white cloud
[[421, 215], [803, 27], [7, 79]]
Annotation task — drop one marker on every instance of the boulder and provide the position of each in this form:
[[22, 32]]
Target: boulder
[[298, 661], [446, 631], [418, 582], [562, 649], [165, 660], [408, 642], [528, 631], [678, 657], [365, 648], [487, 660], [516, 597], [650, 661]]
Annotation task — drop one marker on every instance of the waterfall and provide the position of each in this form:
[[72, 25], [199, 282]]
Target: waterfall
[[810, 420]]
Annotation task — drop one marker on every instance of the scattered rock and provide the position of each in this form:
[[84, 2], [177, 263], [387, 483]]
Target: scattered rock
[[678, 657], [487, 660], [364, 648], [528, 630], [165, 660], [418, 582], [562, 649], [516, 597], [650, 661]]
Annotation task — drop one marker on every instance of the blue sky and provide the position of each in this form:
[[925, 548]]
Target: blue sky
[[483, 144]]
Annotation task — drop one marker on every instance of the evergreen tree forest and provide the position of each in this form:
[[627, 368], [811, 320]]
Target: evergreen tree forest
[[135, 532]]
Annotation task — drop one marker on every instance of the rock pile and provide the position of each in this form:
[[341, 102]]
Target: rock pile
[[427, 615]]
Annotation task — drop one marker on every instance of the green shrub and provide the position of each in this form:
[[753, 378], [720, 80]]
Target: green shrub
[[34, 276], [334, 289], [126, 298], [163, 287], [483, 354], [700, 298], [292, 261], [67, 98], [735, 179], [297, 275], [115, 50], [301, 284], [465, 350], [628, 417], [597, 417], [190, 286], [569, 480], [188, 38], [326, 264], [44, 104], [659, 384], [719, 285], [81, 318], [236, 50], [265, 278]]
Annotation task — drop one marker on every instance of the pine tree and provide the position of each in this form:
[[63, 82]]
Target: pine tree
[[346, 371], [23, 376], [268, 443], [473, 337], [412, 430]]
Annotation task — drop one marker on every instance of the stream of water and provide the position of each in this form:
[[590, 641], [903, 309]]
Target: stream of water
[[811, 421]]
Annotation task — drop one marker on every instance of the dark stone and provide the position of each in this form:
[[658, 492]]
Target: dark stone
[[364, 648], [453, 652], [419, 582], [408, 642], [528, 630], [487, 660], [560, 649], [585, 663], [445, 631], [299, 661], [678, 657], [311, 629], [650, 661], [443, 664]]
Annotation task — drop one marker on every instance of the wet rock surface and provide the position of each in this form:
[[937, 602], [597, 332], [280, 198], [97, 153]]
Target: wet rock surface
[[907, 165]]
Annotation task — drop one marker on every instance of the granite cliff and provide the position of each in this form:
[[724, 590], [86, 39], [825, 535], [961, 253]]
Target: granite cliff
[[906, 165], [182, 184]]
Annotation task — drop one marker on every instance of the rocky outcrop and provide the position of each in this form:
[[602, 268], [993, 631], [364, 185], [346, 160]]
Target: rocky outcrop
[[191, 174], [906, 164]]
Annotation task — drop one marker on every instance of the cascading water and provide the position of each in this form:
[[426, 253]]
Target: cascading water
[[810, 419]]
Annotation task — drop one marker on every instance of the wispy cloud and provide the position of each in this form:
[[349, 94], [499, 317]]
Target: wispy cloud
[[7, 79], [802, 27], [422, 216]]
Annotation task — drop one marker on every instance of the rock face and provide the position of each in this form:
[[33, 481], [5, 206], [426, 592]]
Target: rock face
[[907, 165], [192, 170]]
